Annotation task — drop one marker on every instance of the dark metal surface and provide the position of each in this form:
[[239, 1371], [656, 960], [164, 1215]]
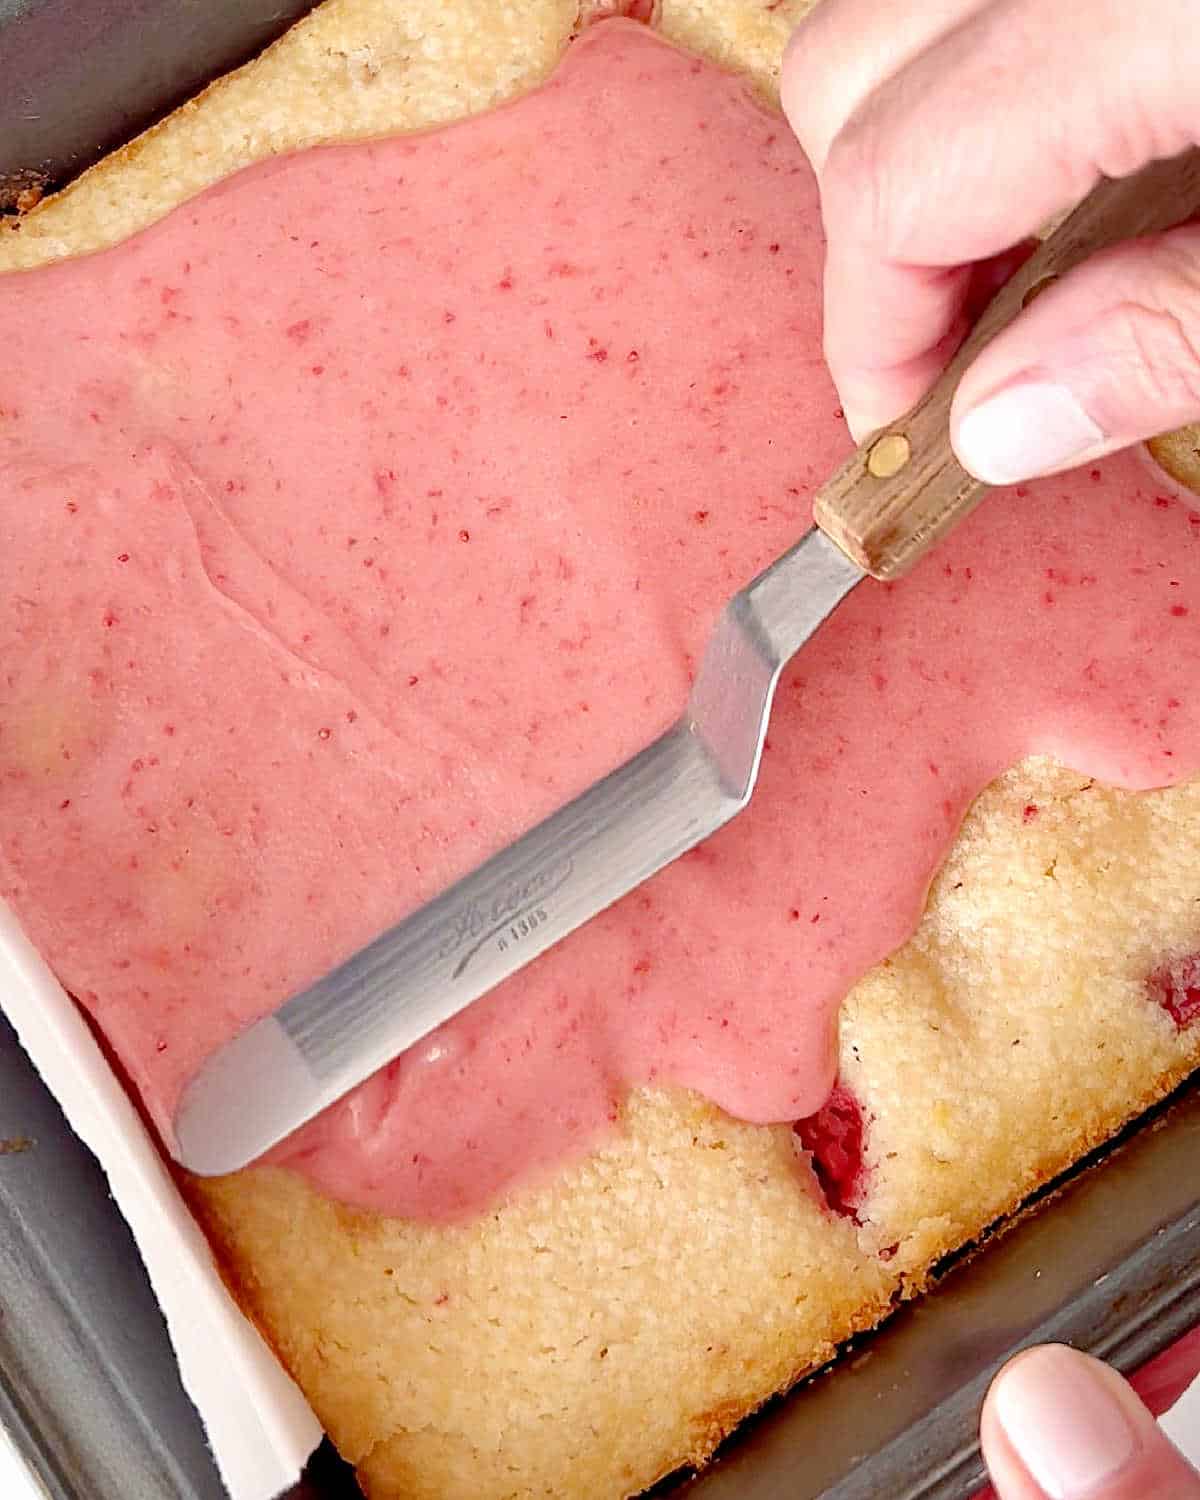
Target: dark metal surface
[[325, 1477], [80, 77], [89, 1387], [1111, 1265], [88, 1382], [90, 1391]]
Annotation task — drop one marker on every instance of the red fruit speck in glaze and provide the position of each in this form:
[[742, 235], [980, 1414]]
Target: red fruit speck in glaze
[[298, 331], [464, 535], [700, 517], [122, 557], [323, 733], [318, 369], [1179, 611], [1030, 812], [833, 1137], [588, 12], [1176, 987], [1161, 502]]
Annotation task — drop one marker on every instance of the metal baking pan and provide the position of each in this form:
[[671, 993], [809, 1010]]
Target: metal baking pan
[[88, 1383], [89, 1388], [91, 1394], [80, 77], [1108, 1260]]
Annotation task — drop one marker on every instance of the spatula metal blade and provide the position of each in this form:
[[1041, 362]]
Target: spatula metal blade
[[285, 1069], [887, 506]]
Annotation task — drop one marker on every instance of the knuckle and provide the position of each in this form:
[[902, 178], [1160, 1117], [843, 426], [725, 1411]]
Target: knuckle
[[856, 187], [1161, 325], [1164, 356], [1174, 263], [822, 78], [807, 93], [1134, 131]]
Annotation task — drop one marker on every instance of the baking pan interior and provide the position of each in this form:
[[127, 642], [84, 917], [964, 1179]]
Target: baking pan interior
[[1109, 1260], [88, 1382]]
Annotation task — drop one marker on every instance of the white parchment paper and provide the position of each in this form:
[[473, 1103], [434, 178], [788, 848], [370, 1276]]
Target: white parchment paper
[[259, 1426]]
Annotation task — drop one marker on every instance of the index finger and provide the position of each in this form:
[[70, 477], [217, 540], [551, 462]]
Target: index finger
[[972, 145]]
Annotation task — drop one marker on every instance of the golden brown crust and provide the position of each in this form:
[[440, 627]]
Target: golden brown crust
[[595, 1332], [596, 1328], [696, 1250]]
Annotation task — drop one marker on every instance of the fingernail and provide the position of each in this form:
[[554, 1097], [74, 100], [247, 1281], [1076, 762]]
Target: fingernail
[[1023, 431], [1065, 1421]]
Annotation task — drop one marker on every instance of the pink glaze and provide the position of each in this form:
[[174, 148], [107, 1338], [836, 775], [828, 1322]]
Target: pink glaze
[[1164, 1380], [378, 501]]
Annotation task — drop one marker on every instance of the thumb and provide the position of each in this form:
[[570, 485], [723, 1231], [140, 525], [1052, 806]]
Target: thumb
[[1108, 356], [1058, 1425]]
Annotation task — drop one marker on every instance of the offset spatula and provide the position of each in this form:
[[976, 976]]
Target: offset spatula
[[876, 517]]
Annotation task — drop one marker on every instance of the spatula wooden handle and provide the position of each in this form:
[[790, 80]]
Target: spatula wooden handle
[[904, 489]]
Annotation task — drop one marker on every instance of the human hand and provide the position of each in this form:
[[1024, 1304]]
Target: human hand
[[1058, 1425], [943, 135]]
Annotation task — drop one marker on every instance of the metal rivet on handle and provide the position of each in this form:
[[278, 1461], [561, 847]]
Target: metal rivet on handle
[[888, 455], [1037, 289]]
